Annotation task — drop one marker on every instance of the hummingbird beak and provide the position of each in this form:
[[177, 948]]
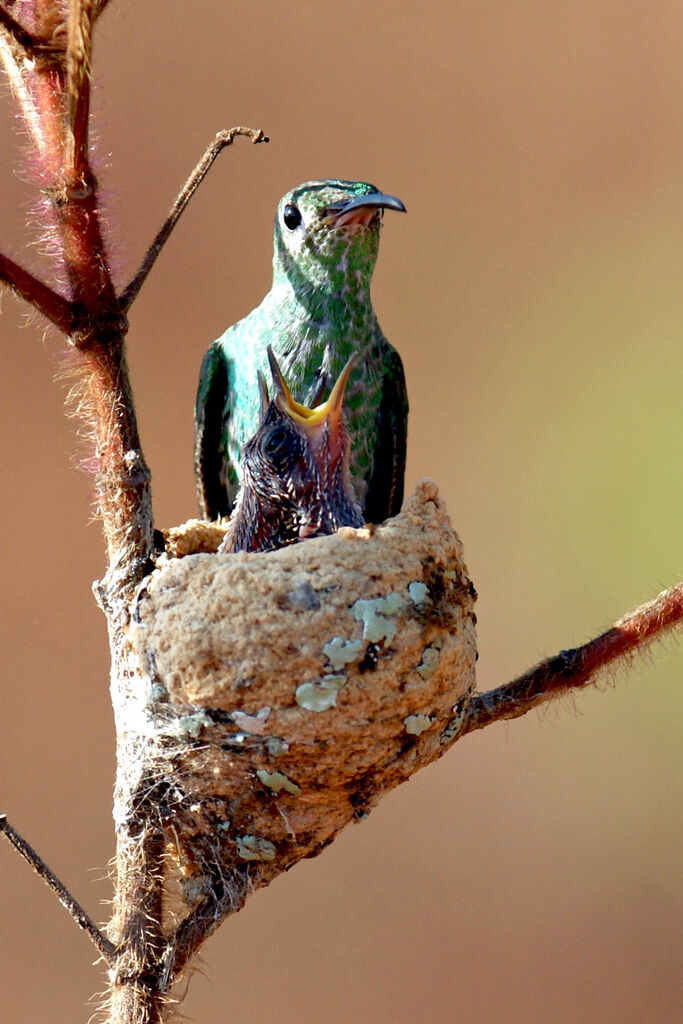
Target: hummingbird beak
[[332, 408], [323, 425], [360, 209], [282, 394], [263, 393]]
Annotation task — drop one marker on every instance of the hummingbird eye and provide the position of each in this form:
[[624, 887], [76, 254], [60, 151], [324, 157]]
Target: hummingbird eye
[[291, 216]]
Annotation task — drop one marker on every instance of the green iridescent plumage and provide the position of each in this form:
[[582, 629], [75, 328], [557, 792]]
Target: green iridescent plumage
[[316, 314]]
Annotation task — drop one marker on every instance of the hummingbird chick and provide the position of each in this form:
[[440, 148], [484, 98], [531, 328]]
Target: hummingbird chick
[[295, 471], [317, 313]]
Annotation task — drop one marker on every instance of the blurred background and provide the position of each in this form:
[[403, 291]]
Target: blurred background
[[534, 292]]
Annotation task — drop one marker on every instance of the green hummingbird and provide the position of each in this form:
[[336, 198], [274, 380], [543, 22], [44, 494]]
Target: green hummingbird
[[317, 313], [295, 471]]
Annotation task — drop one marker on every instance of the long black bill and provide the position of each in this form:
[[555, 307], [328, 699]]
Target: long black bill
[[372, 199]]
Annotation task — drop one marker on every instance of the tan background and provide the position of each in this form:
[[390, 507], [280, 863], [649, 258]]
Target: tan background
[[534, 291]]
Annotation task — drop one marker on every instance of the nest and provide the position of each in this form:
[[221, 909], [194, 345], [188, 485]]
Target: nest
[[287, 691]]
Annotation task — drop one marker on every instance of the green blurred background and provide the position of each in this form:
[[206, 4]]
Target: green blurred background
[[534, 291]]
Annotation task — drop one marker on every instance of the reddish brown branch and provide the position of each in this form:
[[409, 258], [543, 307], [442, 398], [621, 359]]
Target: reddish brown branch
[[54, 101], [136, 995], [74, 908], [46, 50], [53, 306], [223, 139], [19, 34], [576, 668]]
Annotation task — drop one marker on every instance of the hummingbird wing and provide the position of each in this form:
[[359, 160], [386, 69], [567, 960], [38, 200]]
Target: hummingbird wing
[[384, 495], [209, 435]]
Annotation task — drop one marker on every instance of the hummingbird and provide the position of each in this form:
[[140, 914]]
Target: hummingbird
[[295, 471], [316, 314]]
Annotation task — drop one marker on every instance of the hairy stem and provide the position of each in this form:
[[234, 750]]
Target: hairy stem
[[54, 101], [136, 996], [576, 668], [53, 306]]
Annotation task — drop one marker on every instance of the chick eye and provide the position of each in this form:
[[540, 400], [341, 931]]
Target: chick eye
[[291, 216], [275, 442]]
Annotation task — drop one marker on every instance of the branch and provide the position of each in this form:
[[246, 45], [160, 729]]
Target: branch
[[105, 947], [227, 894], [53, 306], [223, 139], [25, 39], [80, 22], [55, 104], [135, 995], [576, 668]]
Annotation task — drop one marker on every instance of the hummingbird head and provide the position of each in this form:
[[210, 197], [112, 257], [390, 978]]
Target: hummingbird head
[[327, 232], [279, 483], [277, 463]]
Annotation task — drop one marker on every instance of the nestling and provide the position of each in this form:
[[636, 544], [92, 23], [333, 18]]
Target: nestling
[[295, 471]]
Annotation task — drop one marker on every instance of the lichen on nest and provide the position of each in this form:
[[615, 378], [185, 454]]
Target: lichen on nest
[[336, 664]]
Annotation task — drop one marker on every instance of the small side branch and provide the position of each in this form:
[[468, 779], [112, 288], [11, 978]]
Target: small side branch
[[223, 139], [53, 306], [576, 668], [105, 947]]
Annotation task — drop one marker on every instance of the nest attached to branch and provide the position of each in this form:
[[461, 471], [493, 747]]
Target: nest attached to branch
[[285, 692]]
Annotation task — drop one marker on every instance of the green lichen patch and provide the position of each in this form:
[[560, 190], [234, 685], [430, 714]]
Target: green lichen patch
[[416, 724], [320, 695], [187, 727], [342, 652], [275, 745], [418, 592], [255, 848], [375, 614], [429, 660], [277, 781]]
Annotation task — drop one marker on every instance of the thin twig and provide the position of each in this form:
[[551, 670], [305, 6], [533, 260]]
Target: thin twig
[[81, 18], [53, 306], [576, 668], [223, 139], [106, 948]]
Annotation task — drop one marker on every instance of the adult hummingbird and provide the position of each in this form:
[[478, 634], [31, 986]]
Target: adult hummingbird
[[295, 471], [316, 314]]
